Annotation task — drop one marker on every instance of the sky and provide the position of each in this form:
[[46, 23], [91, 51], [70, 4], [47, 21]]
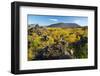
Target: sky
[[45, 20]]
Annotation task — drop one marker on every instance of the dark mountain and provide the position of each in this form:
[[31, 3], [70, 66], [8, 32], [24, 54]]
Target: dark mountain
[[62, 25]]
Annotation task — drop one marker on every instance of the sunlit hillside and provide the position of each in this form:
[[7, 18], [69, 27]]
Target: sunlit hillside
[[45, 43]]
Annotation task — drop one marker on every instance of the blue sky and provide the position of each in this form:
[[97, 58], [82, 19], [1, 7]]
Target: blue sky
[[44, 20]]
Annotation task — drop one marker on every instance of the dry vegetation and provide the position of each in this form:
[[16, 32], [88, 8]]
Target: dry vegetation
[[57, 43]]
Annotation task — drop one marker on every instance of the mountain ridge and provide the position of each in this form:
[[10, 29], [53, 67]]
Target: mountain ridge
[[64, 25]]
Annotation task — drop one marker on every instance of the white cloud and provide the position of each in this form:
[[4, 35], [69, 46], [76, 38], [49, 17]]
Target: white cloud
[[54, 20], [77, 21]]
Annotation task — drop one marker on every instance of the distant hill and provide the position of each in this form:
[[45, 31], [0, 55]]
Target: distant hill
[[64, 25], [32, 26]]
